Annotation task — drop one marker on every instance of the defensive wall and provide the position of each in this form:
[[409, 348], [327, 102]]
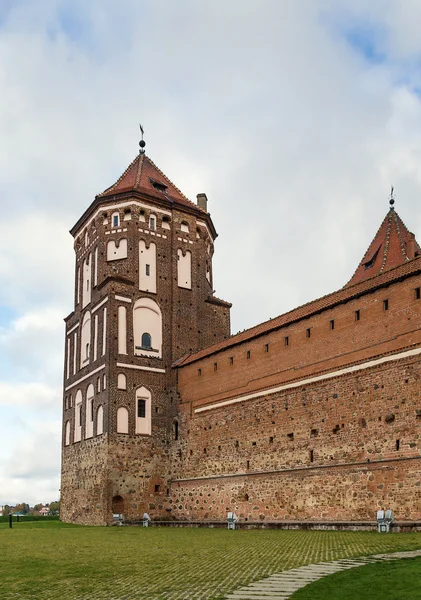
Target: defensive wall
[[326, 426]]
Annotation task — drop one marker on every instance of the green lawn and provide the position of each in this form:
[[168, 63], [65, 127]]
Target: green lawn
[[51, 560], [400, 580]]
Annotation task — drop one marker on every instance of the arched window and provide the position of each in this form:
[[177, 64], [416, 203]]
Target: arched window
[[86, 339], [100, 421], [152, 222], [89, 417], [147, 319], [115, 219], [87, 280], [122, 420], [146, 341], [78, 417], [143, 411], [127, 214], [121, 381], [175, 429], [98, 384], [67, 434], [166, 222], [184, 227]]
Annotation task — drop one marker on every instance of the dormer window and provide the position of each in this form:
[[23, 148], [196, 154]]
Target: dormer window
[[158, 185], [370, 263], [152, 222], [115, 219]]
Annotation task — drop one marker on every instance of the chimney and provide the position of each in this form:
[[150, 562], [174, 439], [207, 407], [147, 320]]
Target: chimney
[[202, 202], [410, 246]]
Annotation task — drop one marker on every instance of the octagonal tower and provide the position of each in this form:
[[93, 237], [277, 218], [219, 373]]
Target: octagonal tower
[[143, 298]]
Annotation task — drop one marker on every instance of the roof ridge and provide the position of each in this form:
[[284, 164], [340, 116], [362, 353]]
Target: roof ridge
[[386, 244], [366, 252], [110, 189], [398, 229], [139, 170], [169, 180]]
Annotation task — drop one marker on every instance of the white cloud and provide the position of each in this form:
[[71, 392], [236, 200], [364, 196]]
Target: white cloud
[[32, 346], [31, 395]]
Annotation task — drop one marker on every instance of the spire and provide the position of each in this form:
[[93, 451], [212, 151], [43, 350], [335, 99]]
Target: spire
[[393, 245], [391, 197], [142, 142]]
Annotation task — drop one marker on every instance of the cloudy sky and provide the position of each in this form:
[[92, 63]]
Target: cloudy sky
[[294, 116]]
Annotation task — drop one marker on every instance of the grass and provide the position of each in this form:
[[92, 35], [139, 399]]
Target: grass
[[400, 580], [49, 560]]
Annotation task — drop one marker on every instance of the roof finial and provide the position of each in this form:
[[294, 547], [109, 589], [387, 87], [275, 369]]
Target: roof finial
[[142, 143], [391, 198]]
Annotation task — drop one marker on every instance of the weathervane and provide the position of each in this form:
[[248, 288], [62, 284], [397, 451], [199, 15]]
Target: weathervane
[[391, 197], [142, 142]]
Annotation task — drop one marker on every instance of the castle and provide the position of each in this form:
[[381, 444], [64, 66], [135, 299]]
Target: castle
[[313, 415]]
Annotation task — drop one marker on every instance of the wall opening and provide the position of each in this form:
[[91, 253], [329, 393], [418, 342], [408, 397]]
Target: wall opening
[[143, 411], [117, 505]]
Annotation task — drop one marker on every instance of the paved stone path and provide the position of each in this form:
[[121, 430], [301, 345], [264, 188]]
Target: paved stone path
[[282, 585]]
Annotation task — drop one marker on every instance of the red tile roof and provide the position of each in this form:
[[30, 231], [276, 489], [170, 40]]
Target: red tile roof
[[393, 245], [141, 175], [410, 267]]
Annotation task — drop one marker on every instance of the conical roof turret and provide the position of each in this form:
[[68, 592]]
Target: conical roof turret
[[142, 175], [393, 245]]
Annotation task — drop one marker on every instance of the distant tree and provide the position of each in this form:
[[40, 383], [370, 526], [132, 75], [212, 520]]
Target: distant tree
[[37, 508], [22, 508], [55, 507], [6, 509]]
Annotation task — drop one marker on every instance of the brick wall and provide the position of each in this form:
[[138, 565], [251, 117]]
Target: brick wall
[[326, 451], [271, 362]]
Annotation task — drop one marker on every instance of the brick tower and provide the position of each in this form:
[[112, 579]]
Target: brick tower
[[143, 299]]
